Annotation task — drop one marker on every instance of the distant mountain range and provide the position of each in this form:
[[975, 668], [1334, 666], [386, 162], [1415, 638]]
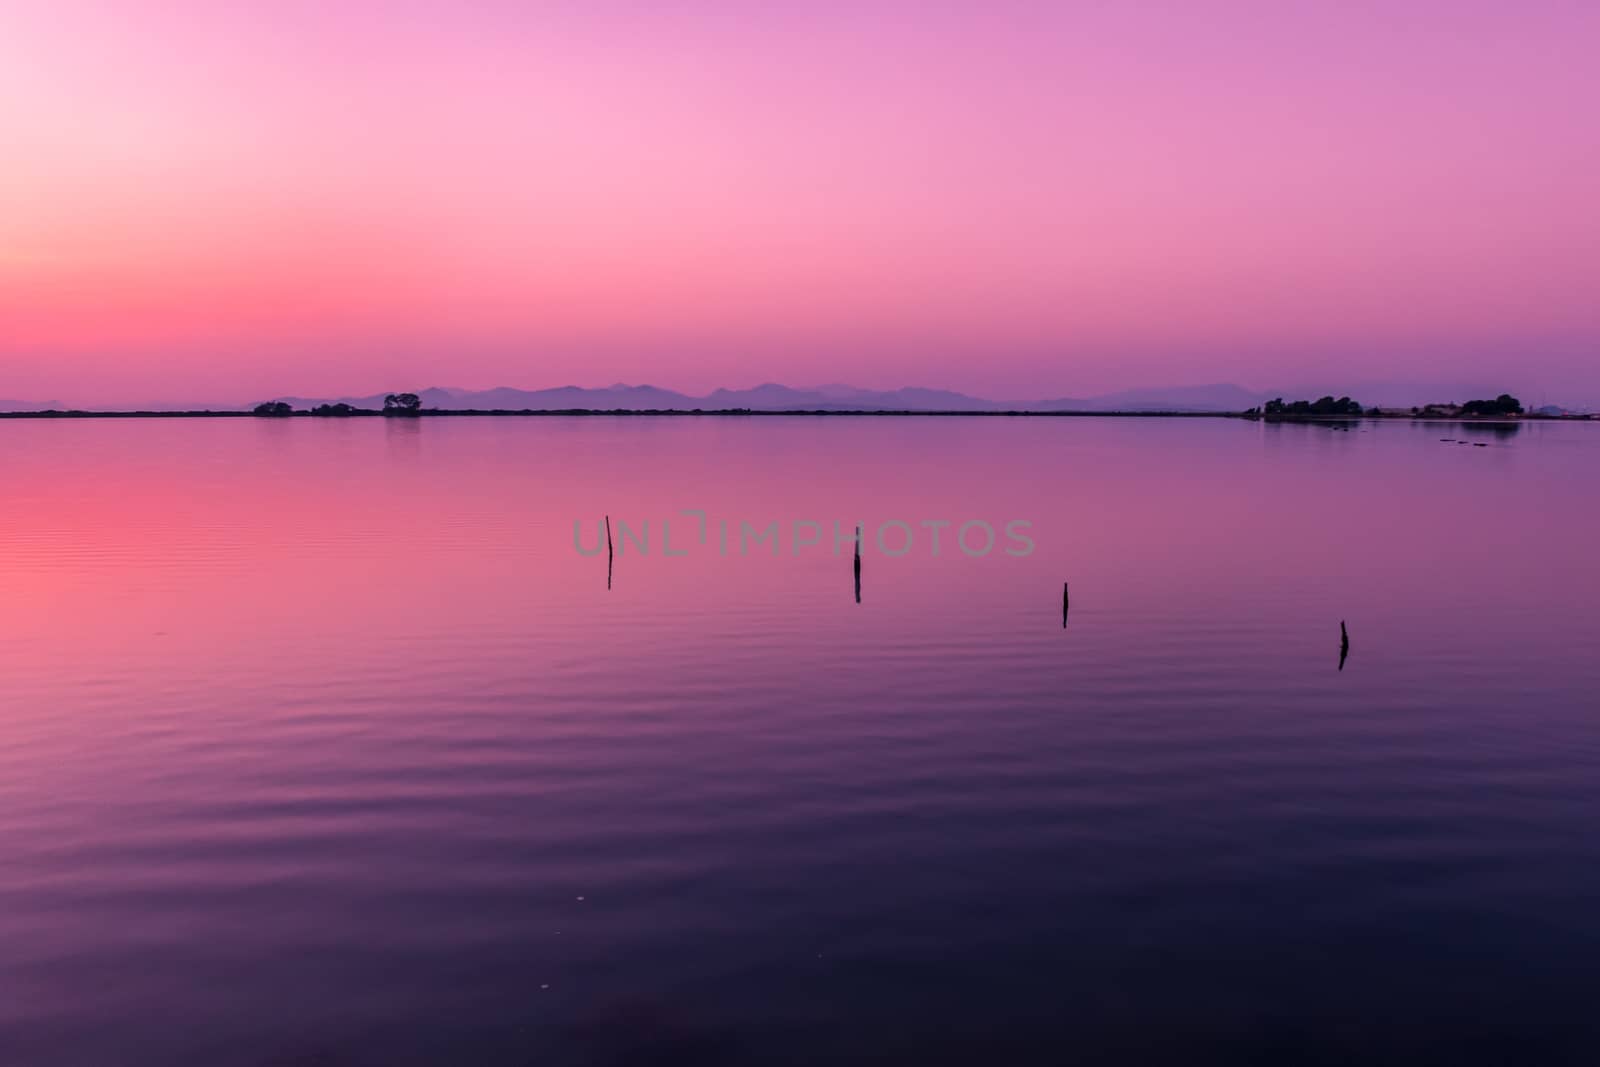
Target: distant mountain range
[[27, 405], [774, 397], [1223, 397], [771, 396]]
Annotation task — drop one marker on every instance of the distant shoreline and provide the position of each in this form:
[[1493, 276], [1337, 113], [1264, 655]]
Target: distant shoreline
[[436, 413]]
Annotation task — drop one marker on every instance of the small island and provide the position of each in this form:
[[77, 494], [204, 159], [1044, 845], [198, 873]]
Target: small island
[[401, 405], [1343, 407], [1502, 408]]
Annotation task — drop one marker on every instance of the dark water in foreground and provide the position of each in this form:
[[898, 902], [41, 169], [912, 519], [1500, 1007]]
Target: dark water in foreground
[[321, 744]]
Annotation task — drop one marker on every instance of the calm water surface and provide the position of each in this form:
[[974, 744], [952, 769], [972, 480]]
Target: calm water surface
[[321, 744]]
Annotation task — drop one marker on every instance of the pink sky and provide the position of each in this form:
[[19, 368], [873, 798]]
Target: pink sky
[[223, 201]]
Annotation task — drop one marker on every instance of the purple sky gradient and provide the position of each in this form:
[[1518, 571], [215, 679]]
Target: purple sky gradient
[[224, 201]]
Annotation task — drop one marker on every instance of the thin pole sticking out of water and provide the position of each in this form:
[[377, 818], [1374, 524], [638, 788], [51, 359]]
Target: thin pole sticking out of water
[[1063, 605], [858, 563], [1344, 644], [608, 552]]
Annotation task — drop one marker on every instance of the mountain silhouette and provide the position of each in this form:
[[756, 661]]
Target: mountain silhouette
[[835, 396], [29, 405], [773, 396]]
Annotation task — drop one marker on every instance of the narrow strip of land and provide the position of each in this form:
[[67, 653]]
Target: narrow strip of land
[[359, 413]]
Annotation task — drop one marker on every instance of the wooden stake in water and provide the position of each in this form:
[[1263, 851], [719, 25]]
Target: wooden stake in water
[[858, 564]]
